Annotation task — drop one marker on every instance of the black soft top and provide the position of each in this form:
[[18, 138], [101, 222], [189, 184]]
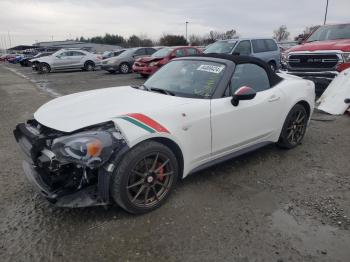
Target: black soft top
[[242, 59]]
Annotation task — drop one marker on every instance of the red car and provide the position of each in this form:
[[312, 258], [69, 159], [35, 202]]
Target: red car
[[146, 66], [321, 57], [7, 57]]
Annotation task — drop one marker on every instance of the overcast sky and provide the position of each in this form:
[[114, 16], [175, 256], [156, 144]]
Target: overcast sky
[[42, 20]]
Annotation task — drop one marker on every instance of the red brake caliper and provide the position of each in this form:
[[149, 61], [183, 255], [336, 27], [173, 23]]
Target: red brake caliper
[[160, 172]]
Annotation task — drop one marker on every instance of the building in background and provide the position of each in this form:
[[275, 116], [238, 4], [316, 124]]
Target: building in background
[[92, 47]]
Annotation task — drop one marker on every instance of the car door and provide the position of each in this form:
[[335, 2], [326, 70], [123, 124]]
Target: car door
[[243, 48], [61, 60], [260, 49], [252, 121], [141, 52], [76, 59]]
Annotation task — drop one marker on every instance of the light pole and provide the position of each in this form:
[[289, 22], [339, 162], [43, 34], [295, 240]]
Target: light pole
[[186, 30], [325, 15], [8, 32]]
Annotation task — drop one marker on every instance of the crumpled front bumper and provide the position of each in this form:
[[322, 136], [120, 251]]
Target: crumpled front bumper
[[33, 147], [85, 197]]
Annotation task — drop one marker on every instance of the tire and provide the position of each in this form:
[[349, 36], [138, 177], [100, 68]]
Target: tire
[[124, 68], [144, 178], [44, 68], [294, 127], [89, 66], [273, 66]]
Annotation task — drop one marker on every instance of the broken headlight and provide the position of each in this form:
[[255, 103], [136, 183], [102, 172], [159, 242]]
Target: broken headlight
[[91, 149]]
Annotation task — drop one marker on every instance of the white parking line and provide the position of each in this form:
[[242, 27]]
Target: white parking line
[[42, 85]]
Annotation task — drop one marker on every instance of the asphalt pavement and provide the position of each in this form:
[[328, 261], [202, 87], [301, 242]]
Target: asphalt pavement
[[269, 205]]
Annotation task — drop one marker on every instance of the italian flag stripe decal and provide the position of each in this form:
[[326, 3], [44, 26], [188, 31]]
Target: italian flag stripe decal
[[145, 122]]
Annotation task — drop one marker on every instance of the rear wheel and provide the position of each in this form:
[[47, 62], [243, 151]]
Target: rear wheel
[[144, 178], [124, 68], [294, 127], [44, 68]]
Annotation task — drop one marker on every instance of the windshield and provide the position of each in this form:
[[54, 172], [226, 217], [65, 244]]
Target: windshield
[[107, 53], [330, 32], [187, 78], [221, 47], [162, 52]]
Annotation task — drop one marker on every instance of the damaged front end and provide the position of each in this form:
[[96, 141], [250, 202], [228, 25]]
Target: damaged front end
[[71, 169]]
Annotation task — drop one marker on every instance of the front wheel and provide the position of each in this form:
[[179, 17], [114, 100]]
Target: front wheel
[[89, 66], [145, 177], [294, 127], [124, 68], [44, 68]]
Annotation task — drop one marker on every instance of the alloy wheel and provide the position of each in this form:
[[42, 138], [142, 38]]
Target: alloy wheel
[[296, 127], [124, 68], [150, 180]]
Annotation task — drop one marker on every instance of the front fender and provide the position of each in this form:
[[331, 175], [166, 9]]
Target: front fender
[[134, 132]]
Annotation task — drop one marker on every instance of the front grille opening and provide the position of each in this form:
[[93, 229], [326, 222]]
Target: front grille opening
[[313, 61]]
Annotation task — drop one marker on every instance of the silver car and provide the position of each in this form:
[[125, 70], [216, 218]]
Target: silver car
[[123, 62], [263, 48], [66, 59]]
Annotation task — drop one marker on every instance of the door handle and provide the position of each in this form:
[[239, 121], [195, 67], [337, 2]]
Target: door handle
[[273, 98], [185, 127]]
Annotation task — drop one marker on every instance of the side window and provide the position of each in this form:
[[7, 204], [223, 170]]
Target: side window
[[179, 52], [259, 45], [250, 75], [192, 51], [64, 54], [150, 51], [141, 51], [76, 53], [243, 48], [271, 45]]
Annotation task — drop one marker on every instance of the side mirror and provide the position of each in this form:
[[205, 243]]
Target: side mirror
[[243, 93], [58, 56], [300, 41]]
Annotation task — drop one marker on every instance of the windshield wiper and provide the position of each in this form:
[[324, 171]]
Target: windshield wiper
[[143, 87], [163, 91]]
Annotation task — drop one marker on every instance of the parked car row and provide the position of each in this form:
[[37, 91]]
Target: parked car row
[[147, 60]]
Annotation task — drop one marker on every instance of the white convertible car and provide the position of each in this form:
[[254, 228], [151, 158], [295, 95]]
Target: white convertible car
[[130, 144]]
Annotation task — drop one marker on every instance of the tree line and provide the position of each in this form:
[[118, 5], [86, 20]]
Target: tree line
[[165, 40], [280, 34]]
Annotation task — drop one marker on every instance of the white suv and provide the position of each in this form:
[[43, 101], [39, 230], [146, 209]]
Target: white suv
[[68, 59]]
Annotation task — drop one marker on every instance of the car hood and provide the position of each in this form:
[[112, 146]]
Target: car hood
[[42, 59], [340, 44], [149, 59], [76, 111]]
